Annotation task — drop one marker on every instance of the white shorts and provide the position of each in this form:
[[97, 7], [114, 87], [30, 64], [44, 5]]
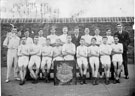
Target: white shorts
[[35, 60], [94, 60], [23, 61], [69, 57], [117, 58], [46, 60], [105, 60], [81, 61], [58, 59]]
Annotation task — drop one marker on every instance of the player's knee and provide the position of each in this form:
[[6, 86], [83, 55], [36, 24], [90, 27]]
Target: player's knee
[[30, 67]]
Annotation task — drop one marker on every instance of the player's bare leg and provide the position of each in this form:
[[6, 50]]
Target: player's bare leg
[[24, 73], [48, 72], [33, 75], [43, 71], [84, 73], [96, 73], [81, 73], [107, 72], [118, 72], [115, 71], [21, 75], [93, 73]]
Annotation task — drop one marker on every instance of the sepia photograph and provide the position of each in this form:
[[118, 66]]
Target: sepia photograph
[[67, 48]]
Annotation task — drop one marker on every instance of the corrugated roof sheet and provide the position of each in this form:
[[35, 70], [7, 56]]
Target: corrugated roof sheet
[[68, 20]]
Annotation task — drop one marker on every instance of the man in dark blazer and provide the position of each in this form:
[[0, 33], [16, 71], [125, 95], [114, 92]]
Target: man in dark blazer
[[76, 37], [125, 40]]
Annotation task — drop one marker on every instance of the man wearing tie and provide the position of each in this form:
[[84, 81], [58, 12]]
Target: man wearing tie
[[76, 37]]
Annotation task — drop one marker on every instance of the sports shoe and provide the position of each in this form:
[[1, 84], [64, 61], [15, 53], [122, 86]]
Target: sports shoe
[[21, 82], [81, 82], [35, 81], [107, 82], [126, 77], [96, 81], [114, 81], [84, 79], [118, 81]]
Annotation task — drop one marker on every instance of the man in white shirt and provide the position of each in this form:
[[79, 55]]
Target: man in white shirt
[[12, 42], [35, 52], [63, 37], [23, 53], [29, 40], [105, 52], [53, 37], [87, 37], [93, 54], [68, 49], [117, 50], [110, 40], [41, 39], [82, 60], [57, 51], [98, 37], [47, 52]]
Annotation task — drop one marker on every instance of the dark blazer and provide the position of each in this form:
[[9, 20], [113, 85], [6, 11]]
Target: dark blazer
[[75, 40], [124, 39]]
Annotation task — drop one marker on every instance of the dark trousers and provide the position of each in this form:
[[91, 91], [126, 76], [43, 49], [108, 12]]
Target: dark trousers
[[125, 61]]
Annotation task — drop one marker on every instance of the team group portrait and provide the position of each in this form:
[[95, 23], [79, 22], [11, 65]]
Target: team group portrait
[[71, 56]]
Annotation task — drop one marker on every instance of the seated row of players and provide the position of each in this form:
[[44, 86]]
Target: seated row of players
[[67, 52]]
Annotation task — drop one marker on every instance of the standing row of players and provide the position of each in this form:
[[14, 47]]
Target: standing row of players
[[63, 47]]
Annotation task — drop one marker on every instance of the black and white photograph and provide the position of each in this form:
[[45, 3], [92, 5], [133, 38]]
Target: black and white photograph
[[67, 48]]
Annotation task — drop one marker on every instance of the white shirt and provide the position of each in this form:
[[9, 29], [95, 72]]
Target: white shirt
[[29, 41], [68, 48], [87, 38], [47, 50], [41, 40], [110, 40], [99, 39], [53, 38], [63, 38], [36, 49], [12, 42], [82, 50], [117, 47], [23, 49], [57, 50], [94, 50], [105, 49]]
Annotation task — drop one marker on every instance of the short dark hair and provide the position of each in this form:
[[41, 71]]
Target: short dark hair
[[108, 29], [119, 24], [93, 38], [23, 38], [48, 39], [115, 36], [76, 27], [65, 27], [35, 36], [104, 37], [81, 39]]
